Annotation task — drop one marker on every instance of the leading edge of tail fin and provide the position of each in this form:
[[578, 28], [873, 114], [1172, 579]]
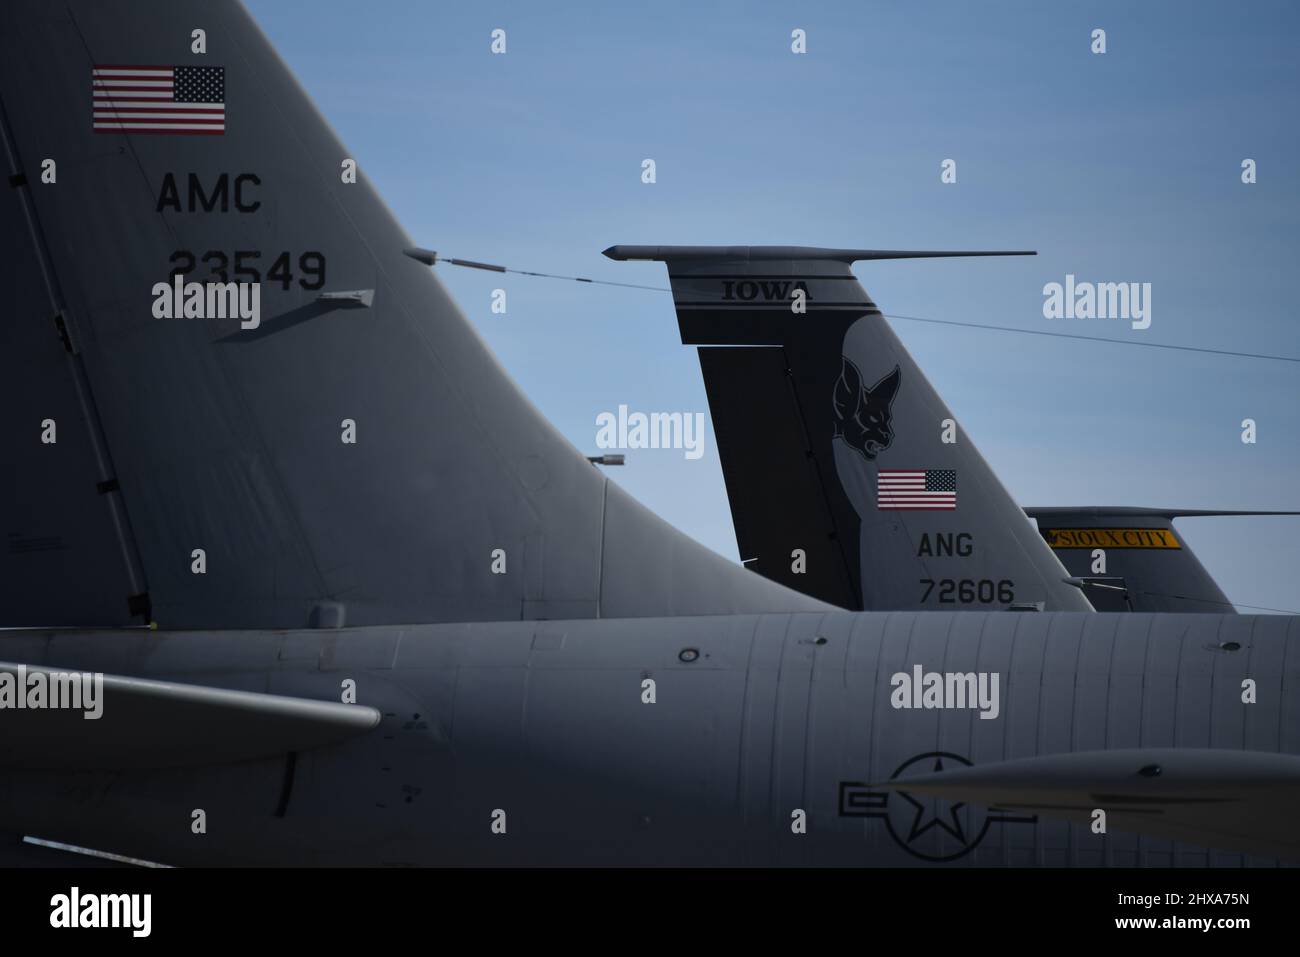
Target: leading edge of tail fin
[[845, 476], [298, 422]]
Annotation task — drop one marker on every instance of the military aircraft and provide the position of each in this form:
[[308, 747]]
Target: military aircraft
[[350, 599], [863, 511]]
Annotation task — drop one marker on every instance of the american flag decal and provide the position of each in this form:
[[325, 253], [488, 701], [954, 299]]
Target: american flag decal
[[917, 489], [182, 100]]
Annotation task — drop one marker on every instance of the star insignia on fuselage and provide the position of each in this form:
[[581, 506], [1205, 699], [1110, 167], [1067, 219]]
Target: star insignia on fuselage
[[936, 820], [918, 825]]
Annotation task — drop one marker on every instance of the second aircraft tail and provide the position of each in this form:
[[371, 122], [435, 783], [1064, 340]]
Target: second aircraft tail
[[849, 478]]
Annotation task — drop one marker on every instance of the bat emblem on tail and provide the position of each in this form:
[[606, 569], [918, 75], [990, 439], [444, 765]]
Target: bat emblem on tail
[[862, 415]]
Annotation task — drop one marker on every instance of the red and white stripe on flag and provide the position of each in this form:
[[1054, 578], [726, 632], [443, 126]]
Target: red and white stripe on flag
[[916, 489], [159, 99]]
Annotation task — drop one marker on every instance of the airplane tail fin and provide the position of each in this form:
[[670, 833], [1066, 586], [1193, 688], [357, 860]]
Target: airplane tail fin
[[847, 475], [236, 403], [1133, 559]]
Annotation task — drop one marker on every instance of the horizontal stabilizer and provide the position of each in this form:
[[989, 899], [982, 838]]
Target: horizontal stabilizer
[[1230, 800], [1105, 511], [762, 253], [160, 724]]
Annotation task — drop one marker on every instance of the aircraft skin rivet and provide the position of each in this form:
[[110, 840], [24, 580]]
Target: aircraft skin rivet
[[688, 655]]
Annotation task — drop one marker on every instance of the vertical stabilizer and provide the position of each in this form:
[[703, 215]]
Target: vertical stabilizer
[[1133, 559], [298, 426], [847, 474]]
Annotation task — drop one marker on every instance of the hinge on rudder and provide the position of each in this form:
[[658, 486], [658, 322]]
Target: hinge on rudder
[[62, 328]]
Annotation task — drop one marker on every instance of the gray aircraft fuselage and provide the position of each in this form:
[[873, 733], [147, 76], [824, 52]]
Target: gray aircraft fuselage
[[548, 722]]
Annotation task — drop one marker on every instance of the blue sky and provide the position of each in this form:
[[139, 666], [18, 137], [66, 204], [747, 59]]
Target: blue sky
[[1116, 167]]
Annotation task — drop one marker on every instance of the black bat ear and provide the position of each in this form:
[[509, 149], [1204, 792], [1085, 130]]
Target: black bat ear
[[848, 389], [887, 387]]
